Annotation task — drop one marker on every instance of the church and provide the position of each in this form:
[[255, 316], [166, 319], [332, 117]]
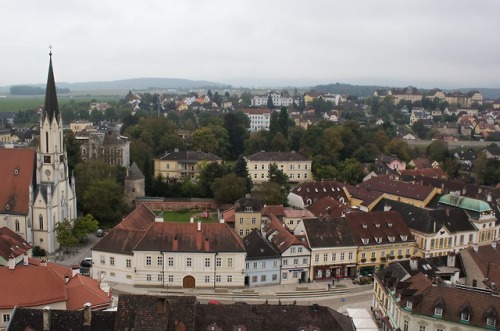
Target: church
[[36, 191]]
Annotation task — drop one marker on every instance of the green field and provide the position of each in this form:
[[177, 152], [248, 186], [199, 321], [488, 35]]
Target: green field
[[185, 216], [14, 104]]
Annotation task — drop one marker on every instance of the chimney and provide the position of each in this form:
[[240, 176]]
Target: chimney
[[413, 263], [494, 244], [488, 197], [447, 211], [87, 314], [43, 262], [450, 262], [387, 207], [159, 217], [191, 220], [12, 262], [221, 220], [66, 278], [26, 259], [476, 248], [46, 318], [75, 270], [198, 226]]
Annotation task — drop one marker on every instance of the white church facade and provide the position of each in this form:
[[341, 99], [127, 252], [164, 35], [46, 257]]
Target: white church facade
[[36, 191]]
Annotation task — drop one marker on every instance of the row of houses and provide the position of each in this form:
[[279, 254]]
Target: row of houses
[[413, 94], [272, 245]]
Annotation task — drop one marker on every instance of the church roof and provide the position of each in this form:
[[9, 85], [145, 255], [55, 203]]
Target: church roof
[[134, 172], [465, 203], [17, 173], [51, 108]]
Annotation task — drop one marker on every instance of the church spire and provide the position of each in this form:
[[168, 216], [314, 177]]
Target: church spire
[[51, 108]]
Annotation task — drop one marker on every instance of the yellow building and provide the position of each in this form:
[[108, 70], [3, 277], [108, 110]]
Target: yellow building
[[295, 166], [247, 215], [184, 164], [79, 126], [382, 237]]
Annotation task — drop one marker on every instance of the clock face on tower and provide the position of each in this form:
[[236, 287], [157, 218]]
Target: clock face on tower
[[47, 172]]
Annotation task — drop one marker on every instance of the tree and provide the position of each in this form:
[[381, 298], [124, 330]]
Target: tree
[[270, 103], [207, 173], [277, 176], [204, 139], [333, 143], [84, 226], [237, 132], [270, 193], [420, 129], [398, 147], [283, 121], [104, 198], [438, 150], [72, 149], [229, 188], [64, 235], [279, 143], [240, 169]]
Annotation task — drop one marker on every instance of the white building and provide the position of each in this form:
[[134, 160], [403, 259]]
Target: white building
[[260, 118], [278, 100]]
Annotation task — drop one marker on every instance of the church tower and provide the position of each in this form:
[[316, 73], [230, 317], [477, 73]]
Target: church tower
[[55, 195]]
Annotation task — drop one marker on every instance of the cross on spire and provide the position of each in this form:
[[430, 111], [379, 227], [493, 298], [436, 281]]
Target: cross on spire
[[50, 50]]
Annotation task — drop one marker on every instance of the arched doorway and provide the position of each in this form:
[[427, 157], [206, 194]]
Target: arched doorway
[[188, 282]]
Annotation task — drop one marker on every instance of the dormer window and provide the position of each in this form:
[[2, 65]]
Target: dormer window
[[465, 316], [389, 225], [404, 237], [377, 225], [391, 238], [365, 241], [491, 321], [364, 226], [409, 305], [248, 209], [438, 311], [378, 240]]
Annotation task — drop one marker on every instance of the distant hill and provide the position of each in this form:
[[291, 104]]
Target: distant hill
[[368, 90], [135, 84]]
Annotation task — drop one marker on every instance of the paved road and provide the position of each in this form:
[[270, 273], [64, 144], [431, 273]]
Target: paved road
[[77, 254]]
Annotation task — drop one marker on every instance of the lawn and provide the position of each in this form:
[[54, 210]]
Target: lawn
[[15, 103], [185, 216]]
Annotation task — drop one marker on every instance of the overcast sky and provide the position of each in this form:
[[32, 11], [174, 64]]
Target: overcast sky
[[255, 43]]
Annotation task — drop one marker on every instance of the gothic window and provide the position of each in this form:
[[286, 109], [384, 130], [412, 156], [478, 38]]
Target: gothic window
[[40, 222]]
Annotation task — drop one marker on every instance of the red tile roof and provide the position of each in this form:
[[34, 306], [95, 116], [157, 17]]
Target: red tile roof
[[184, 237], [12, 244], [279, 235], [82, 289], [328, 206], [17, 173], [394, 187]]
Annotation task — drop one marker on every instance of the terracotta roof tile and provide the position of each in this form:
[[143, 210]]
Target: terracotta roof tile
[[394, 187], [328, 233], [17, 173], [82, 289], [279, 235], [12, 244], [276, 157]]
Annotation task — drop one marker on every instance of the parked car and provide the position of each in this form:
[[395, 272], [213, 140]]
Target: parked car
[[99, 233]]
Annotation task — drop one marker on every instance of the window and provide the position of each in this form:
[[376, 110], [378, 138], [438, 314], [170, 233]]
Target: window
[[218, 279], [103, 259], [438, 311], [342, 256], [159, 260], [160, 277], [284, 276], [241, 232], [254, 279], [111, 261], [409, 304], [295, 275], [292, 250], [230, 262], [285, 262], [189, 262], [374, 255], [218, 262], [304, 261], [378, 240], [421, 328], [350, 255], [247, 265], [170, 278], [40, 223], [17, 226], [263, 264], [291, 222], [6, 318], [491, 321], [148, 260], [365, 241], [299, 250], [241, 220], [254, 220], [334, 257], [295, 261], [263, 278], [247, 231], [230, 279], [406, 326], [148, 277], [382, 254], [207, 262], [170, 261], [207, 279], [464, 316], [128, 263], [325, 257], [275, 277], [275, 264], [316, 258], [363, 255]]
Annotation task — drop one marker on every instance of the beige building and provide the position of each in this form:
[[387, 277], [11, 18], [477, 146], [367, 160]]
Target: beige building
[[247, 215], [79, 126], [295, 166], [184, 164], [108, 146]]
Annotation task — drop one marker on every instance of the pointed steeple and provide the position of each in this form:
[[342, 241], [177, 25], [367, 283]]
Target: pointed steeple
[[51, 108]]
